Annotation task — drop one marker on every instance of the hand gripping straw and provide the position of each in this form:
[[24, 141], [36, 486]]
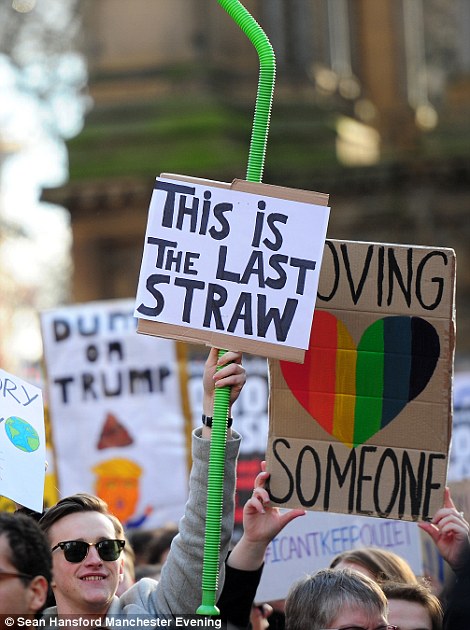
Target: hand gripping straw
[[222, 395]]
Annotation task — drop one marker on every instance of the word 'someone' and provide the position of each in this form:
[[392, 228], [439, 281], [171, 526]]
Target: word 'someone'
[[371, 481]]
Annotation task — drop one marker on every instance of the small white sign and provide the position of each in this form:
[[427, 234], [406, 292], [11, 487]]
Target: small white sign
[[459, 462], [310, 543], [221, 260], [22, 442]]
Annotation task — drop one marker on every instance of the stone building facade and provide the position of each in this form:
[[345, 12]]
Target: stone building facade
[[371, 105]]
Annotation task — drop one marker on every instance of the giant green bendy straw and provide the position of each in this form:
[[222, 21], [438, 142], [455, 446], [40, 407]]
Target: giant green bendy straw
[[255, 167]]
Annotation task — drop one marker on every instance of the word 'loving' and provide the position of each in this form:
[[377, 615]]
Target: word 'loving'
[[265, 270]]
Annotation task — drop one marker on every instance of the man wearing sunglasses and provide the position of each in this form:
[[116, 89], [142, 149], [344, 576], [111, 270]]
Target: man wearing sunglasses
[[336, 599], [87, 541], [25, 566]]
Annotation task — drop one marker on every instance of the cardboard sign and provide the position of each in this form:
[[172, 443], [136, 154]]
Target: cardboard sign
[[116, 411], [22, 442], [364, 425], [310, 543], [235, 267]]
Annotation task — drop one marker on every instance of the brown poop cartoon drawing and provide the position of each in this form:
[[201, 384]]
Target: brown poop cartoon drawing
[[113, 434]]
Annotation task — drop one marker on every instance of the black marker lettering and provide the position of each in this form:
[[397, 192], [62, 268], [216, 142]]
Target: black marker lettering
[[216, 298], [282, 323], [221, 273], [169, 207], [189, 285], [88, 380], [378, 487], [61, 329], [356, 293], [341, 476], [242, 312], [162, 245], [430, 486], [258, 225], [303, 266], [153, 280], [272, 219], [277, 455], [189, 260], [313, 475], [336, 272], [107, 391], [437, 280], [63, 384], [115, 347], [275, 262], [92, 353], [394, 271], [206, 207], [173, 259], [361, 477], [224, 231], [415, 490], [254, 267], [380, 275], [187, 211]]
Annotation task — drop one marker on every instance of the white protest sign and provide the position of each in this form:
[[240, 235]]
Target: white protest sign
[[22, 442], [310, 543], [228, 261], [116, 412], [459, 461]]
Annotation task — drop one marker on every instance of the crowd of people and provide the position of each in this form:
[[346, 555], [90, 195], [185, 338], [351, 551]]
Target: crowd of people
[[76, 558]]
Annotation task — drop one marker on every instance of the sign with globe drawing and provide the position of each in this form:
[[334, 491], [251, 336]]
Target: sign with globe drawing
[[22, 442]]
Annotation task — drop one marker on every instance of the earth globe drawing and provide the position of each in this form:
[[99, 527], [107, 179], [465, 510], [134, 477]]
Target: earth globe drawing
[[22, 434]]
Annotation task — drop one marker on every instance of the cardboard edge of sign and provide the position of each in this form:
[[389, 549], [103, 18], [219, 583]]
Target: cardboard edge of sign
[[220, 340]]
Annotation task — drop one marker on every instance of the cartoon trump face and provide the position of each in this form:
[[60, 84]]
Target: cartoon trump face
[[117, 483]]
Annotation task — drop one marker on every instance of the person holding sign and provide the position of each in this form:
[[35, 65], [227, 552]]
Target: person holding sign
[[25, 566], [450, 531], [261, 523], [87, 541]]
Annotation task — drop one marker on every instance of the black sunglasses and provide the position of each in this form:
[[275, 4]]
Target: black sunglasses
[[77, 550]]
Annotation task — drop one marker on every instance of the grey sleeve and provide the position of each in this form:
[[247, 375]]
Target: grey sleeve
[[180, 585]]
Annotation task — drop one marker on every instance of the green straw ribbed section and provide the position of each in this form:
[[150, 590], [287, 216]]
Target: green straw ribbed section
[[210, 570], [259, 136]]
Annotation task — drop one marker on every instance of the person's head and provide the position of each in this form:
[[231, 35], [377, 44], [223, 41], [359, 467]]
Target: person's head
[[86, 576], [25, 565], [378, 564], [333, 598], [412, 606]]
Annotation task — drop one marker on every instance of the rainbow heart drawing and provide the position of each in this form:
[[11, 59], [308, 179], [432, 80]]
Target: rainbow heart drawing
[[354, 392]]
